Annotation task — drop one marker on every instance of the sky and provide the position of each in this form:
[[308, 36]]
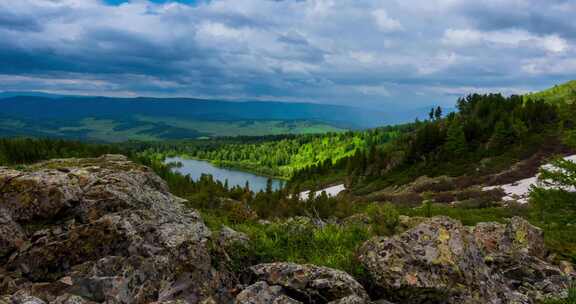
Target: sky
[[367, 53]]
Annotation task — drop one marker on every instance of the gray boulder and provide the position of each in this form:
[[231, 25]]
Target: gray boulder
[[304, 283], [442, 261], [110, 230]]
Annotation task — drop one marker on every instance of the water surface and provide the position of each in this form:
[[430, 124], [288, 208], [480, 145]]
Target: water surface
[[195, 168]]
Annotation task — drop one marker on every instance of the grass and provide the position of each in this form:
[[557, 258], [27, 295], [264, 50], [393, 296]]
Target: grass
[[331, 246], [469, 217]]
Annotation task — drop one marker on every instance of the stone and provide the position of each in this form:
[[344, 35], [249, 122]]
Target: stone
[[262, 293], [111, 232], [309, 283], [229, 237], [12, 236], [441, 260]]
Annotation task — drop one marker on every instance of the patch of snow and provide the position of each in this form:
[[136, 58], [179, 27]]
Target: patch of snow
[[330, 191], [519, 191]]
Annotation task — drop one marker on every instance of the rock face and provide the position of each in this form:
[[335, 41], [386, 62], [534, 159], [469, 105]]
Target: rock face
[[293, 283], [101, 230], [441, 261]]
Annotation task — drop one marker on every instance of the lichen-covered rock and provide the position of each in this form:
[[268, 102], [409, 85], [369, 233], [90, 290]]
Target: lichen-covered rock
[[309, 283], [229, 237], [262, 293], [438, 260], [303, 223], [106, 230], [12, 236], [25, 298], [516, 237], [350, 300], [70, 299], [516, 251], [441, 260]]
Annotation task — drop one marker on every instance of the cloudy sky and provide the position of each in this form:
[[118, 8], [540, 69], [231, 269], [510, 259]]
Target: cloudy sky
[[371, 53]]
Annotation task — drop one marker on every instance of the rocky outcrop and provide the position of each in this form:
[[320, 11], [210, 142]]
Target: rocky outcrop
[[102, 230], [442, 261], [294, 283], [106, 230]]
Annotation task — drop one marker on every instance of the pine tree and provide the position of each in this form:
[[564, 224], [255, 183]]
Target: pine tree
[[438, 113], [501, 137], [456, 140]]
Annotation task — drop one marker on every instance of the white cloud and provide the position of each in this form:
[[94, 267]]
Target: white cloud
[[506, 38], [363, 57], [384, 22], [547, 66], [377, 90]]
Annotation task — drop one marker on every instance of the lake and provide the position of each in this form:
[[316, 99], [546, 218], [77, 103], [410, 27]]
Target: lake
[[195, 168]]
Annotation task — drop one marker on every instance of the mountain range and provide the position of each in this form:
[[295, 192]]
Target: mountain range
[[118, 119]]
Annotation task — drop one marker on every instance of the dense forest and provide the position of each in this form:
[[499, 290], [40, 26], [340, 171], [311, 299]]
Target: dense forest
[[18, 151], [496, 129], [278, 156]]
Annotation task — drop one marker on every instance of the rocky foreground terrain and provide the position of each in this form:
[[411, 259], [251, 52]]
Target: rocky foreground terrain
[[108, 230]]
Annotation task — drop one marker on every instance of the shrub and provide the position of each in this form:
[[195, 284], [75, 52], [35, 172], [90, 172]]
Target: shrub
[[385, 218]]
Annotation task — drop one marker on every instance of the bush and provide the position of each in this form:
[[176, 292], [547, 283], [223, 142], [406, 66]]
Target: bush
[[385, 218]]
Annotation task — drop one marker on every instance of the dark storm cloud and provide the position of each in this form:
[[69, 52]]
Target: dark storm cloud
[[370, 53], [541, 17]]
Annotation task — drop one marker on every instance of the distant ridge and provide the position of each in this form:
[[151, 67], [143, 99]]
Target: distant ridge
[[145, 118]]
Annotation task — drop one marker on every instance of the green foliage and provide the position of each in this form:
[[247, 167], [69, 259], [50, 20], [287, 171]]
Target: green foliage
[[15, 151], [554, 207], [282, 156], [564, 93], [385, 218], [570, 138], [455, 140], [487, 134], [332, 246], [562, 173]]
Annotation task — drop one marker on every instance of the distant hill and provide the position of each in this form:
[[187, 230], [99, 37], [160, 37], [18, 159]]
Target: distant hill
[[565, 92], [120, 119]]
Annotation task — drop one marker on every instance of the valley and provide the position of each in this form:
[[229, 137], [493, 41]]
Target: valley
[[446, 177]]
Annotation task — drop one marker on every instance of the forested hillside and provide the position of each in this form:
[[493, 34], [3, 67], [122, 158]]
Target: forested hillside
[[487, 134], [278, 156]]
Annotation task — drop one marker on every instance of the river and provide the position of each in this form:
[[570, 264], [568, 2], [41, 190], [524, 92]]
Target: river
[[195, 168]]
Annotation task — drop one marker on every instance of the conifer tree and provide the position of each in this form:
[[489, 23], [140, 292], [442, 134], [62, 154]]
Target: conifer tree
[[456, 140]]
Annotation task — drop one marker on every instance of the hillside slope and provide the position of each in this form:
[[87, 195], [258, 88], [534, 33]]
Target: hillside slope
[[565, 92]]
